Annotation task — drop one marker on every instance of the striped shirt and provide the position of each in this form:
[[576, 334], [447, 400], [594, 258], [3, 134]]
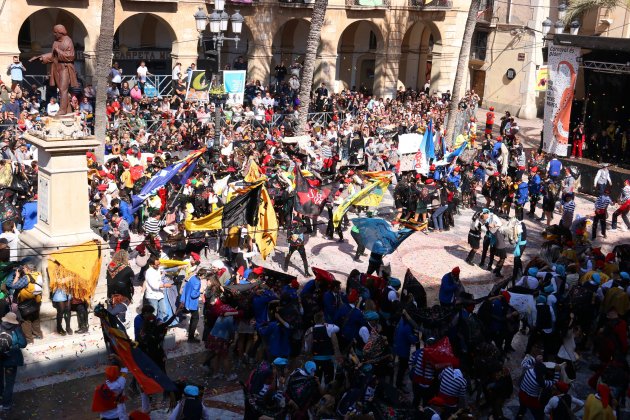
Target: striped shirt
[[568, 209], [530, 386], [153, 226], [452, 383], [424, 372], [602, 202], [326, 151]]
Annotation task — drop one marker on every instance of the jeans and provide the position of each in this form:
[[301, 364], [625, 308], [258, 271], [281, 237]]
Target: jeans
[[160, 308], [7, 381], [438, 218]]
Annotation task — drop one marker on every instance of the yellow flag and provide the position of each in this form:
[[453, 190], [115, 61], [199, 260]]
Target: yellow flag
[[265, 234], [351, 200], [76, 269], [209, 222], [172, 263], [375, 197], [377, 174], [253, 173]]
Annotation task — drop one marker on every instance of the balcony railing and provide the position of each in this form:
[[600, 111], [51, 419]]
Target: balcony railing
[[368, 4], [431, 4], [296, 3]]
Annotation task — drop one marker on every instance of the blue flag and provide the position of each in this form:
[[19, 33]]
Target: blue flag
[[379, 236], [429, 146], [450, 157], [178, 172]]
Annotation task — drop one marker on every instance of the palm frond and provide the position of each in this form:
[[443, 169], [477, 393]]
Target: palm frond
[[577, 8]]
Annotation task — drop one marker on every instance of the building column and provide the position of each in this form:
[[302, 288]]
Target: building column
[[325, 71], [386, 75]]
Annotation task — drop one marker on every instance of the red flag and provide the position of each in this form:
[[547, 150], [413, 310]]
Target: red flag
[[310, 195]]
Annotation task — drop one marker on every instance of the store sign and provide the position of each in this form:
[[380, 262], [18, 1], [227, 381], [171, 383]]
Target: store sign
[[562, 67], [142, 55]]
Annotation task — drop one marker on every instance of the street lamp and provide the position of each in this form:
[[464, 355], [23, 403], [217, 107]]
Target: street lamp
[[218, 23], [562, 11], [559, 26], [575, 27], [546, 27]]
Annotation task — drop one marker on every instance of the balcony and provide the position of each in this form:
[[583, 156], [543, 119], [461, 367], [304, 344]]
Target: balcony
[[368, 4], [431, 4], [296, 3]]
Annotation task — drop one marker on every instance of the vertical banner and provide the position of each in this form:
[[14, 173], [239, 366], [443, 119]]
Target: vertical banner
[[562, 68], [197, 89], [542, 75], [234, 81]]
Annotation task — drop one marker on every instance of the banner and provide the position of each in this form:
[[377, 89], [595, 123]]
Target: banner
[[198, 86], [243, 209], [563, 68], [234, 81], [542, 75]]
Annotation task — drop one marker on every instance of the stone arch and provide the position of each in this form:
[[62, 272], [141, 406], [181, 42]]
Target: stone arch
[[35, 37], [358, 63], [289, 42], [421, 52], [144, 36]]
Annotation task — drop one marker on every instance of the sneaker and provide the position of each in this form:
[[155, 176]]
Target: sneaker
[[69, 331]]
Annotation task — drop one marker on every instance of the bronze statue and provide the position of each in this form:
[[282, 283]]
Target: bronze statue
[[62, 72]]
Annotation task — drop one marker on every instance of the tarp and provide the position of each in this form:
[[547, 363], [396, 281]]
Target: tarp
[[76, 269], [379, 236]]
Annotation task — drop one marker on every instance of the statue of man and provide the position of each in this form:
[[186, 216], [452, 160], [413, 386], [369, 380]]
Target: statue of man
[[62, 72]]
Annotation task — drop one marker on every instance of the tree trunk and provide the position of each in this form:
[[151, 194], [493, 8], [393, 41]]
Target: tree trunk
[[104, 51], [312, 44], [462, 68]]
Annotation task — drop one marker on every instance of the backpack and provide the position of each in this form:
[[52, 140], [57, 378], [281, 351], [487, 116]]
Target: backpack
[[6, 342], [375, 347], [258, 378]]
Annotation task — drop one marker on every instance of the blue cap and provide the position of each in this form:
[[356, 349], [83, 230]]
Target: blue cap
[[310, 367], [532, 271], [280, 361], [560, 269], [191, 391], [395, 283], [370, 315], [624, 275], [596, 278], [541, 299]]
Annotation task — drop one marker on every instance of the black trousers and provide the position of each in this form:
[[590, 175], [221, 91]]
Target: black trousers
[[601, 219], [403, 364], [325, 369], [300, 250], [360, 246], [484, 250], [194, 321]]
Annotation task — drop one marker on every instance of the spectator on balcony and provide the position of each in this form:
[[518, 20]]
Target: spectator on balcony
[[141, 75], [175, 75], [115, 75], [16, 70], [240, 64], [12, 106], [281, 72], [89, 92], [112, 91], [52, 108], [125, 90], [136, 93]]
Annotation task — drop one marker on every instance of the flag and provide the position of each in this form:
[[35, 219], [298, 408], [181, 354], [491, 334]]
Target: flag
[[243, 209], [379, 236], [150, 377], [429, 146], [450, 157], [253, 173], [265, 233], [351, 200], [178, 172], [375, 197], [311, 198], [411, 286], [209, 222], [76, 269], [220, 185]]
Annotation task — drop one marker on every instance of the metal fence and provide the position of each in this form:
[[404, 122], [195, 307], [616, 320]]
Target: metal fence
[[161, 82]]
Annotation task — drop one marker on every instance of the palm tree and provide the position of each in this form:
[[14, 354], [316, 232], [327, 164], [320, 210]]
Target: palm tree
[[578, 7], [104, 51], [462, 68], [312, 44]]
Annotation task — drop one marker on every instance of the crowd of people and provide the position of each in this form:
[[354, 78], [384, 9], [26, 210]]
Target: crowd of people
[[334, 347]]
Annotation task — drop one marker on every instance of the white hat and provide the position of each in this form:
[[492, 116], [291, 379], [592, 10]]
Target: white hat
[[217, 264]]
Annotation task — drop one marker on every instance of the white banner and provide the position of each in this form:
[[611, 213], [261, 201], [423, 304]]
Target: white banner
[[563, 68], [234, 81]]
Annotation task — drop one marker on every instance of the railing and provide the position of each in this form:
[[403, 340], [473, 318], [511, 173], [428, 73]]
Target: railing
[[431, 4], [375, 4], [161, 83]]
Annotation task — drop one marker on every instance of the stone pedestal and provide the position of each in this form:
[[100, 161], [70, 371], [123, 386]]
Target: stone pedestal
[[63, 217]]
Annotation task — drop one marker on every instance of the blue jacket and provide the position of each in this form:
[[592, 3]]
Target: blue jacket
[[125, 211], [349, 320], [555, 166], [535, 185], [277, 339], [496, 150], [404, 338], [331, 304], [14, 357], [448, 287], [260, 303], [523, 193], [480, 174], [455, 179], [191, 293]]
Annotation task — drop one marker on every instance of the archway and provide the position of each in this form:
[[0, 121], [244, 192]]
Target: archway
[[144, 37], [289, 42], [420, 54], [35, 37], [356, 55]]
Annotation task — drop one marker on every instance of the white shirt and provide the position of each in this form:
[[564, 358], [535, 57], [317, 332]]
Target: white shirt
[[330, 329], [12, 239], [52, 109], [528, 282], [154, 282], [176, 72], [142, 73], [117, 386], [602, 177]]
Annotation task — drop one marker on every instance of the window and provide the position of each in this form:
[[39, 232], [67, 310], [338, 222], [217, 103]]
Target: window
[[372, 44], [480, 45]]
